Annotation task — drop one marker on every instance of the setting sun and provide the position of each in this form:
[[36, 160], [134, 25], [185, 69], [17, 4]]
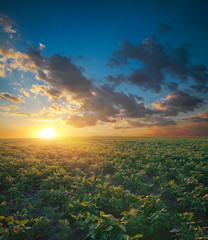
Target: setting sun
[[47, 132]]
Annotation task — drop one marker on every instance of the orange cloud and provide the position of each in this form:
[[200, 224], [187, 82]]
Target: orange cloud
[[9, 108]]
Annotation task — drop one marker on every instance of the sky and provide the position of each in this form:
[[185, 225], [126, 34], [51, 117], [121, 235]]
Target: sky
[[104, 68]]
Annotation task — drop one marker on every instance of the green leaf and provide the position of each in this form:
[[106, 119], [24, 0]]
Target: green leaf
[[109, 228], [1, 229], [101, 213], [138, 236], [96, 225], [9, 218], [10, 223], [24, 221], [5, 236], [174, 230], [122, 227]]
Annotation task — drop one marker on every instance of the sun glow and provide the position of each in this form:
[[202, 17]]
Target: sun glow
[[47, 132]]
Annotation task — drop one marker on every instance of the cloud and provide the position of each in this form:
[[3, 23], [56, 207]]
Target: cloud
[[155, 62], [41, 46], [7, 23], [9, 108], [2, 69], [103, 104], [107, 104], [84, 120], [63, 74], [24, 114], [17, 60], [201, 118], [151, 122], [8, 96], [117, 80], [52, 93], [56, 70], [153, 58], [57, 108], [146, 122], [54, 109], [176, 102], [25, 92]]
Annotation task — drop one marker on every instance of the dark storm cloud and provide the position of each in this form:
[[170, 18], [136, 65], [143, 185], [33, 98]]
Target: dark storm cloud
[[10, 97], [153, 58], [177, 102], [163, 28], [62, 75], [60, 72], [106, 103], [109, 106], [156, 61], [36, 57]]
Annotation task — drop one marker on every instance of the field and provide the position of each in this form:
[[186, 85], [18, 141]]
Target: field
[[104, 188]]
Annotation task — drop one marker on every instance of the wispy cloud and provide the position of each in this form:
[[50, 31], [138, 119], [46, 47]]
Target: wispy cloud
[[25, 93], [24, 114], [7, 24], [10, 107], [10, 97]]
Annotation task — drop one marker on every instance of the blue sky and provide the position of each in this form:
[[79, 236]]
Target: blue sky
[[104, 40]]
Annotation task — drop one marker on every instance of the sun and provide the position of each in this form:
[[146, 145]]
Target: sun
[[47, 132]]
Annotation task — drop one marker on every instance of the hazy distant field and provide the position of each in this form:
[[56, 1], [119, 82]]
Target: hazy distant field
[[104, 188]]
